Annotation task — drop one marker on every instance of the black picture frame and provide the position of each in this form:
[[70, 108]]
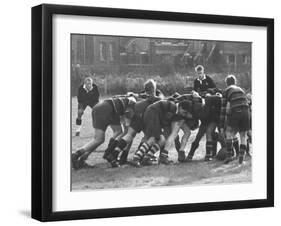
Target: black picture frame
[[42, 107]]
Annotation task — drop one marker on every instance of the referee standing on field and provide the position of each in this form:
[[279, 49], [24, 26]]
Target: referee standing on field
[[201, 85], [88, 95], [203, 82]]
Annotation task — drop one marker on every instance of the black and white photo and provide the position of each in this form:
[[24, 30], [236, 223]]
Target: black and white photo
[[171, 112]]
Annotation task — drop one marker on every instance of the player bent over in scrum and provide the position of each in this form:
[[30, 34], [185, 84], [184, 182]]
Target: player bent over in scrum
[[106, 113], [193, 122], [238, 118], [136, 125], [210, 118], [172, 133], [155, 118]]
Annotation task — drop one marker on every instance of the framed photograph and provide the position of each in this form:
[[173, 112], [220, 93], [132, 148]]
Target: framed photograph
[[146, 112]]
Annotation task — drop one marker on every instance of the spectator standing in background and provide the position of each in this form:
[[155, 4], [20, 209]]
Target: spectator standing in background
[[88, 95]]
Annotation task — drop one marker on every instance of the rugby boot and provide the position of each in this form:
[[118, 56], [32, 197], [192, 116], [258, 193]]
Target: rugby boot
[[228, 159], [111, 146], [123, 158], [81, 162], [136, 162], [147, 161], [74, 158], [112, 159], [164, 160]]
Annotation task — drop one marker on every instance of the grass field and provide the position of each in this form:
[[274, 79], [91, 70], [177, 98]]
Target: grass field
[[198, 172]]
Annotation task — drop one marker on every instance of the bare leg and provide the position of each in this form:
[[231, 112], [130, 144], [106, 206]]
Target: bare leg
[[99, 136], [80, 156]]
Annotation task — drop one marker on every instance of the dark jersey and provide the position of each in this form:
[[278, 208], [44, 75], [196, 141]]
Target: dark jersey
[[212, 108], [120, 104], [236, 98], [90, 98], [201, 86], [139, 109], [197, 104], [141, 106], [165, 109]]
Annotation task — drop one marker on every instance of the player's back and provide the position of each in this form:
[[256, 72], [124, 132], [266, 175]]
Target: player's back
[[142, 105], [236, 97]]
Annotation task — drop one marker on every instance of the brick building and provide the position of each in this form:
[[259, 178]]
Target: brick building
[[113, 54]]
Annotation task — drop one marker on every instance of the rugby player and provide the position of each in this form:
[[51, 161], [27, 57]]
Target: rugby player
[[203, 82], [238, 118], [104, 114], [136, 125], [155, 119], [88, 95], [210, 119], [191, 123]]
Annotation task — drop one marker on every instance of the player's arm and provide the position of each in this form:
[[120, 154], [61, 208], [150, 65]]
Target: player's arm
[[196, 86], [211, 83], [97, 93], [80, 94]]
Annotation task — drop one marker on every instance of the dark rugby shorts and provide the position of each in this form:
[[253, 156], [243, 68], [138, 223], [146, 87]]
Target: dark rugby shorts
[[152, 126], [192, 123], [212, 110], [137, 124], [103, 116], [239, 119], [83, 105]]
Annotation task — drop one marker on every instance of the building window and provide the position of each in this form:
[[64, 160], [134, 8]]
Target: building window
[[144, 58], [102, 51], [89, 50], [230, 59], [112, 51], [80, 50], [124, 58], [246, 59], [133, 58]]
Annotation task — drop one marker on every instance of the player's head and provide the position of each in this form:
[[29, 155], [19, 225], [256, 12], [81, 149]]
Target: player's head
[[185, 108], [230, 80], [88, 81], [150, 87], [199, 69]]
